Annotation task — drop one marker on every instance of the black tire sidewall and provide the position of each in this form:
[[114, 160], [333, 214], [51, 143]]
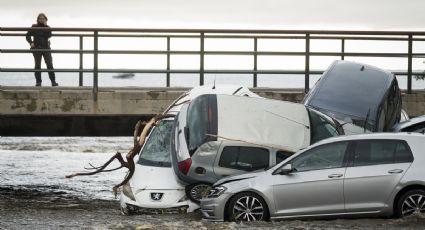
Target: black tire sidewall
[[239, 195], [398, 210]]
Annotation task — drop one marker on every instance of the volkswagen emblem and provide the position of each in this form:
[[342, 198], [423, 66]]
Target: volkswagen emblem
[[156, 196]]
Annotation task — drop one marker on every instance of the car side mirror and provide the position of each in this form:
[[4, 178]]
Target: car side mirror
[[286, 169]]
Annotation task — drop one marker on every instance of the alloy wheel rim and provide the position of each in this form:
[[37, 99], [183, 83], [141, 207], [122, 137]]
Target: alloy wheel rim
[[248, 208], [413, 204], [200, 191]]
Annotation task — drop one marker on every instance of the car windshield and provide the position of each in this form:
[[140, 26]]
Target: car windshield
[[156, 151], [321, 127]]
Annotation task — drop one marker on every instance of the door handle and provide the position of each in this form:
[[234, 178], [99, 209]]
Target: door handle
[[395, 171], [335, 176]]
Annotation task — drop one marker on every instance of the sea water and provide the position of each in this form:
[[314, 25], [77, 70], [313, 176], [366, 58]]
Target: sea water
[[41, 164], [176, 80]]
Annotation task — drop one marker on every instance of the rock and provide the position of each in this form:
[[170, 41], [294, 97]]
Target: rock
[[144, 226]]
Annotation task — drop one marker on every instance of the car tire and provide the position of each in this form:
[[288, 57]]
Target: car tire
[[412, 201], [247, 206], [196, 191]]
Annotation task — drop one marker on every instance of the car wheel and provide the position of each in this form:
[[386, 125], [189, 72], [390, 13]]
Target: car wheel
[[197, 191], [411, 202], [247, 206]]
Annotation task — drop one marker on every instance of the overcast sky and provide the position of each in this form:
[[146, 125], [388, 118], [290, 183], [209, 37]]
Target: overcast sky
[[239, 14]]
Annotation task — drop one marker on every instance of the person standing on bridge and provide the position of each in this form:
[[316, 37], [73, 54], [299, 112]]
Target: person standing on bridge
[[39, 39]]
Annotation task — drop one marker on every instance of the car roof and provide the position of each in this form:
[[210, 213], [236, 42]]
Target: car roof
[[371, 136], [212, 89]]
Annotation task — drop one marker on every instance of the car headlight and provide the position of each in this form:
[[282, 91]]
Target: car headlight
[[216, 191], [126, 190]]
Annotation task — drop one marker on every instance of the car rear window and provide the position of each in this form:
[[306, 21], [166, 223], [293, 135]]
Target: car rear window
[[244, 158]]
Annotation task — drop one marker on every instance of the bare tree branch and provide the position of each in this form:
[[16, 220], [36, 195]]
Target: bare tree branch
[[139, 138]]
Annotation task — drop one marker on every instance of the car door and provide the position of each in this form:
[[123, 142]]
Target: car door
[[316, 184], [376, 167], [235, 160]]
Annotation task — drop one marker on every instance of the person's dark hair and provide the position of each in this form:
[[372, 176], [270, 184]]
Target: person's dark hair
[[41, 15]]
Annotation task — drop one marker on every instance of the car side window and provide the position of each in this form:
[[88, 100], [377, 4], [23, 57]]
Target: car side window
[[322, 157], [282, 155], [244, 158], [403, 153], [373, 152]]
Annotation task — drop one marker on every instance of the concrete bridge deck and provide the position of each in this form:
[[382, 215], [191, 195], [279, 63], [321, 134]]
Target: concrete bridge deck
[[68, 111]]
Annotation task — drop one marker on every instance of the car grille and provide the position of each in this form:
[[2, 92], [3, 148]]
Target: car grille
[[141, 210]]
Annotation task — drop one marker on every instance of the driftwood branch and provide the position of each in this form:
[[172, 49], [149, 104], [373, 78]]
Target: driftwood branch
[[139, 138]]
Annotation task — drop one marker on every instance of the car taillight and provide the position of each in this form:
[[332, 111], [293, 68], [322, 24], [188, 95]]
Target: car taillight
[[185, 165]]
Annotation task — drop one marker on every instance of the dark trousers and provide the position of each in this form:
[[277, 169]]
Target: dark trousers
[[47, 55]]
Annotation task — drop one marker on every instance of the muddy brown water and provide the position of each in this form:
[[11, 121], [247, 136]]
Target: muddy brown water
[[35, 195]]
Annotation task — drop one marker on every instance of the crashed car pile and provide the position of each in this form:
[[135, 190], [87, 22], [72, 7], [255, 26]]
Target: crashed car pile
[[238, 156]]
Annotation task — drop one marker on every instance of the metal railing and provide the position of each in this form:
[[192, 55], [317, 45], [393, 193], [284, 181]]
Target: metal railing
[[203, 34]]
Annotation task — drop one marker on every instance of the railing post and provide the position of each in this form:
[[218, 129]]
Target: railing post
[[80, 81], [307, 64], [255, 61], [409, 64], [202, 55], [168, 61], [342, 49], [95, 65]]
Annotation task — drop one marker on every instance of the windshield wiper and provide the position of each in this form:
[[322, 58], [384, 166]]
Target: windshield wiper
[[339, 126], [366, 122]]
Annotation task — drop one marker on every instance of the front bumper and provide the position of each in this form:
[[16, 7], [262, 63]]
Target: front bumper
[[213, 209], [172, 202]]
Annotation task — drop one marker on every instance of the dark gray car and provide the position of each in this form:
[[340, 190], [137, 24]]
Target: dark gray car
[[360, 94]]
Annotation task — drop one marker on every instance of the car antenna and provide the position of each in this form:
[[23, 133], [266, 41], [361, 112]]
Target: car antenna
[[365, 123]]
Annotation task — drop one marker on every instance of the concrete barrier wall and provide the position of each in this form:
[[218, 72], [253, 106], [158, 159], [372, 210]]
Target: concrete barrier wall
[[414, 103], [129, 101], [73, 112], [79, 101]]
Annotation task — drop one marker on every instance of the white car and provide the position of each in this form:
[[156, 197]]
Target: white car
[[153, 188], [201, 128]]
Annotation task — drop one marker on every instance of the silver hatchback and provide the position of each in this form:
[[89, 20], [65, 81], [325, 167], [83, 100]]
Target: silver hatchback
[[362, 175]]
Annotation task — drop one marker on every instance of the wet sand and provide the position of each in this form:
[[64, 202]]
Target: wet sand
[[34, 208]]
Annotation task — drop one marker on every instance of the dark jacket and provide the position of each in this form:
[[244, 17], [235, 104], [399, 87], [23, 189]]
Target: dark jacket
[[41, 37]]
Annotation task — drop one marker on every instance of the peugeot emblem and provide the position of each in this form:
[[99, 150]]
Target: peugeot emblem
[[156, 196]]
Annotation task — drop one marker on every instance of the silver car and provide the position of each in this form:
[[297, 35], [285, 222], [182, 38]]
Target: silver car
[[218, 159], [361, 175]]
